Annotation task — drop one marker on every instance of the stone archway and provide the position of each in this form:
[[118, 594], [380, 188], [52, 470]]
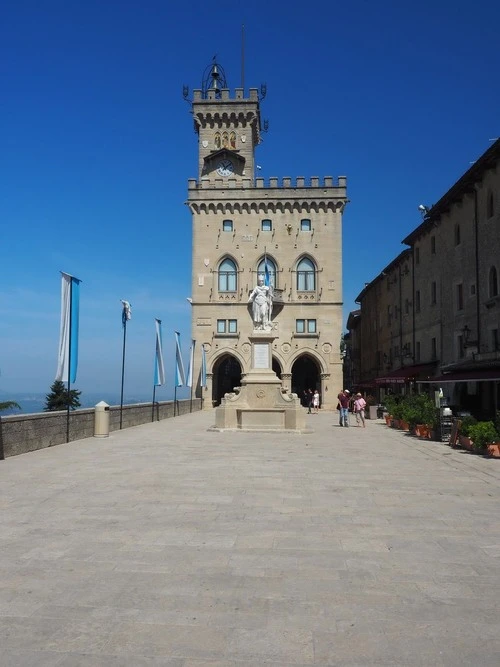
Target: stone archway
[[306, 374], [226, 376]]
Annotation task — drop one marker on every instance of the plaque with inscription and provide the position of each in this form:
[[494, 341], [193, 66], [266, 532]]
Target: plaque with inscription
[[260, 355]]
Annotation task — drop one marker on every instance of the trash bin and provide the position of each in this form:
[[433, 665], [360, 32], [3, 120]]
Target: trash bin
[[101, 420]]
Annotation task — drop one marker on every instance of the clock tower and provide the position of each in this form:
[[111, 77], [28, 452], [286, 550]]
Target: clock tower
[[247, 229], [228, 128]]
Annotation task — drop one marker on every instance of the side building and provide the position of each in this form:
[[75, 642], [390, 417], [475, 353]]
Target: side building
[[447, 306], [244, 227]]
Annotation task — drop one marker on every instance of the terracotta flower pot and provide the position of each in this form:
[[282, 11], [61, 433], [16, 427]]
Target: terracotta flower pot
[[388, 419], [494, 450], [465, 442], [404, 425]]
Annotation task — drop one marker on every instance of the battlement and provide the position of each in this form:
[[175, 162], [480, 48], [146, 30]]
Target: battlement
[[273, 183], [225, 95]]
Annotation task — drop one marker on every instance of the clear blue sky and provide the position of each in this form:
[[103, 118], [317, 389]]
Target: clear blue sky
[[97, 147]]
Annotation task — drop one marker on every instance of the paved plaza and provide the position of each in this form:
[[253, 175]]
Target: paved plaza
[[169, 545]]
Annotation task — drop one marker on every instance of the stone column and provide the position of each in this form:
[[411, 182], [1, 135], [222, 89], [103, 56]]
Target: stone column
[[327, 392], [207, 393], [286, 381]]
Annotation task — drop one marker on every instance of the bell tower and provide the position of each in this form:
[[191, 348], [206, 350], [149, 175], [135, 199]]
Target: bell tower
[[228, 129]]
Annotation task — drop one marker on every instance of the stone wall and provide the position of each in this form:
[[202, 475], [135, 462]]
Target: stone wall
[[20, 434]]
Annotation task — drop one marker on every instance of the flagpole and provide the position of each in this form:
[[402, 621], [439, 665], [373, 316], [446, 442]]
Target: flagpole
[[153, 404], [69, 355], [123, 368]]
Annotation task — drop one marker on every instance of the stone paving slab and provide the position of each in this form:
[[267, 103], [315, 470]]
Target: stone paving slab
[[168, 544]]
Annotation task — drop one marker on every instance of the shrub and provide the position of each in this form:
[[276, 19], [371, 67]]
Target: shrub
[[481, 434], [467, 422]]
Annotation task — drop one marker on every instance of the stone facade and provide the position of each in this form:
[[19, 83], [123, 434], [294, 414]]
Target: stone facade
[[448, 286], [240, 222]]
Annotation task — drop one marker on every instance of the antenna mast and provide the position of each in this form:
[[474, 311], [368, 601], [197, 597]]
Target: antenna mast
[[243, 58]]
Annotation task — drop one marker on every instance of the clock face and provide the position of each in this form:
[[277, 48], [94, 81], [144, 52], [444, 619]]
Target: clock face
[[225, 168]]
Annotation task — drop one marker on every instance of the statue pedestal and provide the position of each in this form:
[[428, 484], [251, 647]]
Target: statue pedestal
[[260, 404]]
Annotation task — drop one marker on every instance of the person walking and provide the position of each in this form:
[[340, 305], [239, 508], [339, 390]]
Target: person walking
[[315, 401], [359, 409], [344, 398], [309, 401]]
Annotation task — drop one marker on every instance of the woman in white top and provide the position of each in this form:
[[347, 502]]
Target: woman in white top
[[316, 401]]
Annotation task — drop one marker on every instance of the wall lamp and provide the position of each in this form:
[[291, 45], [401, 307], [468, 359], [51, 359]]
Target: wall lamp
[[466, 332]]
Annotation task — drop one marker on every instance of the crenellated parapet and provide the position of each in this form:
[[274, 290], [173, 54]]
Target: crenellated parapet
[[273, 183], [233, 196], [218, 110], [225, 96]]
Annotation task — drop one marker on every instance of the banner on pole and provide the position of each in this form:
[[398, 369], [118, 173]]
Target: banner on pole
[[159, 377], [189, 380], [126, 312], [267, 277], [68, 332], [180, 378]]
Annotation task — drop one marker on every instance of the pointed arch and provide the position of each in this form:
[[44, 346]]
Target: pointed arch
[[227, 275], [306, 274]]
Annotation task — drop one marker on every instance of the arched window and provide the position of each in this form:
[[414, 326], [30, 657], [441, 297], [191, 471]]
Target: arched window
[[306, 275], [232, 140], [493, 282], [227, 276], [271, 267], [217, 141], [225, 140], [490, 205]]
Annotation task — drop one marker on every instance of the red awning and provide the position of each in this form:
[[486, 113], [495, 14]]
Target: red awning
[[481, 375], [408, 374]]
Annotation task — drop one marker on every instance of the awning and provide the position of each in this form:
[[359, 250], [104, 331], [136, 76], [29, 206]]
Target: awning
[[408, 374], [471, 375]]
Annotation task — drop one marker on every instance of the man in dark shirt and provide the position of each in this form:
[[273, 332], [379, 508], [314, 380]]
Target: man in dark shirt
[[344, 398]]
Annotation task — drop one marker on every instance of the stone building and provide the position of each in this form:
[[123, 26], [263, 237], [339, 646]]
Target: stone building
[[447, 305], [241, 224]]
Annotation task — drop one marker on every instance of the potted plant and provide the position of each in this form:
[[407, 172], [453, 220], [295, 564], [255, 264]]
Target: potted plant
[[390, 403], [464, 439], [483, 434]]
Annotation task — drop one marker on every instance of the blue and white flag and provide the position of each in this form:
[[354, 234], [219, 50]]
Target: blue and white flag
[[126, 312], [180, 378], [267, 277], [189, 379], [203, 374], [159, 378], [67, 358]]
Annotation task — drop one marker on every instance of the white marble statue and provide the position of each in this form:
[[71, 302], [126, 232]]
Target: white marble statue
[[262, 305]]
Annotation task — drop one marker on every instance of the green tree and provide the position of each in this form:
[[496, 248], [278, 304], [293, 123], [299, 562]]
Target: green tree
[[58, 398], [7, 405]]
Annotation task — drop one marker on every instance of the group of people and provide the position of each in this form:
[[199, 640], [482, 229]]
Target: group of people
[[311, 400], [356, 403]]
